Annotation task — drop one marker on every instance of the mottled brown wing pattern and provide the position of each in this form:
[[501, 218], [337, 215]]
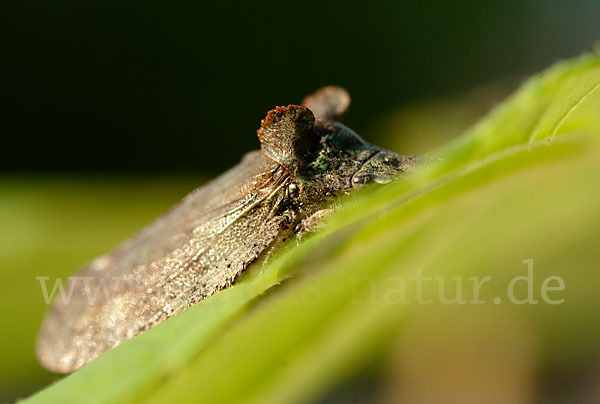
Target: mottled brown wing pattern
[[202, 244], [197, 248]]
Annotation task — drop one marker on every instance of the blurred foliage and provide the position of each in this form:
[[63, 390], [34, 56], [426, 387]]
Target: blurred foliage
[[519, 185], [422, 126]]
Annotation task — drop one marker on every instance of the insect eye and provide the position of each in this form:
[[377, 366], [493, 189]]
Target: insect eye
[[389, 160], [361, 179]]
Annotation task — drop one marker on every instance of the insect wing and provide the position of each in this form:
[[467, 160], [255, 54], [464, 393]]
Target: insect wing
[[195, 249]]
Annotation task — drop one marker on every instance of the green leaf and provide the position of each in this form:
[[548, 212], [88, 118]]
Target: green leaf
[[519, 185]]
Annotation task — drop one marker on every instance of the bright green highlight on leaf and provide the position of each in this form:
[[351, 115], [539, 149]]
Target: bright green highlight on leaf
[[519, 185]]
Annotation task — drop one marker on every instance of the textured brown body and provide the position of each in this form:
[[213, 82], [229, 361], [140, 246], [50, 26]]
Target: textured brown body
[[202, 244]]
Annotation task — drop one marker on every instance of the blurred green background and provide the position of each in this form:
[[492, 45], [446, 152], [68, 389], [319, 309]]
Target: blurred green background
[[124, 86], [115, 110]]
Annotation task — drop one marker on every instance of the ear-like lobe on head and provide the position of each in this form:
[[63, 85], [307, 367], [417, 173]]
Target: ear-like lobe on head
[[328, 103], [286, 135]]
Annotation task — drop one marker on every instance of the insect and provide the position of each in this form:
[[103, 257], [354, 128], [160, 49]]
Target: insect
[[202, 244]]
